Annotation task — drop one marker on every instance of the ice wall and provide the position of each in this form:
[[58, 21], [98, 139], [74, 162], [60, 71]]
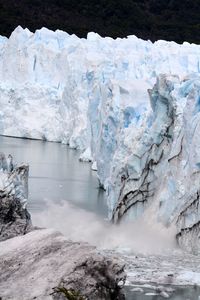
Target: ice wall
[[58, 87], [160, 177], [97, 94]]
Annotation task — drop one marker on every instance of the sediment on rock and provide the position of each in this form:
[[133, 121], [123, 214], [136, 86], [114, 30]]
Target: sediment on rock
[[55, 266]]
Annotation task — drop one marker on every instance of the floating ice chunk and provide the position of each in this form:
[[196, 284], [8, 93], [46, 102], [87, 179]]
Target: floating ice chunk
[[86, 155], [94, 166]]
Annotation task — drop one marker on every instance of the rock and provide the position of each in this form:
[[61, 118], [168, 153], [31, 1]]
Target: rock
[[44, 265], [14, 217]]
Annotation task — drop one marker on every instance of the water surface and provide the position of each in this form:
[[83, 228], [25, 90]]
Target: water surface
[[56, 175], [180, 293]]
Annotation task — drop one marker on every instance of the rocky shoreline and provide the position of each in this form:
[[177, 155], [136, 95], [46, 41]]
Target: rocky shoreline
[[42, 263]]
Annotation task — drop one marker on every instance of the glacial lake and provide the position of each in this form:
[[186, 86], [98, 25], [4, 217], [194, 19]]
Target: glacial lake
[[56, 174], [64, 192]]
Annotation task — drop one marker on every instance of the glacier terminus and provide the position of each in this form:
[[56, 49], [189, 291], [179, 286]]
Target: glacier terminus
[[131, 106]]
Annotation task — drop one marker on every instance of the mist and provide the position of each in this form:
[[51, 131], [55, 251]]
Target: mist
[[141, 236]]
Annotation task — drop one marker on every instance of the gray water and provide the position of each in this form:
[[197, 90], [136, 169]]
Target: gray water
[[57, 176], [180, 293]]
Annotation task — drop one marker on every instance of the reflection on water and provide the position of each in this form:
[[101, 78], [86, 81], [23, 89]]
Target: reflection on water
[[56, 174]]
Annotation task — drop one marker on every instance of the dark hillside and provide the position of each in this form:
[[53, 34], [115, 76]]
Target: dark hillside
[[177, 20]]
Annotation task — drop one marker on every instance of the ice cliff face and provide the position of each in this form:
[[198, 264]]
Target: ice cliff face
[[161, 174], [58, 87], [98, 95]]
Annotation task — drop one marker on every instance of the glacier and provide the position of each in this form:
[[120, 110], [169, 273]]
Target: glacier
[[131, 106]]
